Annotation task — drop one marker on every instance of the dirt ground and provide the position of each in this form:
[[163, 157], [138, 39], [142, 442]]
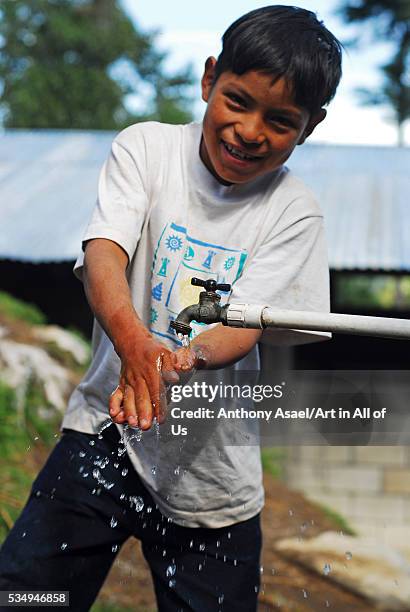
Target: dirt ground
[[285, 586]]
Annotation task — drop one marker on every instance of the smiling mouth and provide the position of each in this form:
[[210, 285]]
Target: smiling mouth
[[238, 154]]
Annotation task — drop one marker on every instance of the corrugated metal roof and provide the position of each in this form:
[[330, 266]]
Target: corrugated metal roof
[[48, 182], [364, 195]]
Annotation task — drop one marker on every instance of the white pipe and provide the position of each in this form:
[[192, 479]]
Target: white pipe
[[259, 317]]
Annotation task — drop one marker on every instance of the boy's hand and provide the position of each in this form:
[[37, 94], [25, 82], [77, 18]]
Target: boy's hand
[[141, 395]]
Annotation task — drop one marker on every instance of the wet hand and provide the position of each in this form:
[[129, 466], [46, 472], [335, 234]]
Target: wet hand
[[146, 366]]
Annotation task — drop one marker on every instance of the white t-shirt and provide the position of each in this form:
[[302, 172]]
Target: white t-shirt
[[159, 202]]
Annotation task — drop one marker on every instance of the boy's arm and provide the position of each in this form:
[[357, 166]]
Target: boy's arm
[[216, 348], [140, 395]]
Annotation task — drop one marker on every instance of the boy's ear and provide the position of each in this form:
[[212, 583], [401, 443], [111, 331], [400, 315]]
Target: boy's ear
[[208, 78], [313, 122]]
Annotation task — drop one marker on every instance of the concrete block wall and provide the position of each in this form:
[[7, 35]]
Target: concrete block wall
[[368, 485]]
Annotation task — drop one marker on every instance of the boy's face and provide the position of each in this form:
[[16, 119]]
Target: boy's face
[[251, 124]]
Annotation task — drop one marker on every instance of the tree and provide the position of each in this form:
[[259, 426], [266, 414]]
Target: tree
[[74, 64], [392, 22]]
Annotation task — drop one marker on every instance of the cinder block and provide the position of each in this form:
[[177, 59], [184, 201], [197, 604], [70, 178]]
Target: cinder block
[[303, 477], [311, 453], [353, 478], [381, 455], [383, 508], [340, 503], [397, 481], [337, 454]]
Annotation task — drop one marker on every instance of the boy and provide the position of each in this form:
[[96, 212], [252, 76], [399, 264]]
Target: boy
[[175, 202]]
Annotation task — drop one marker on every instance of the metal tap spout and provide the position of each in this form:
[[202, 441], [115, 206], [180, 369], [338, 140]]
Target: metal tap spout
[[208, 310]]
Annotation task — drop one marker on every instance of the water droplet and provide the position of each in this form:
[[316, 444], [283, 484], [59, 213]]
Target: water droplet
[[63, 545], [38, 493], [199, 567], [154, 470], [327, 569], [171, 569], [305, 595], [290, 512], [164, 552], [138, 502], [261, 569], [256, 588], [348, 555], [229, 535], [85, 474], [218, 543], [92, 443], [81, 454], [113, 522], [191, 544], [176, 471], [36, 438], [115, 547], [327, 603], [149, 509], [104, 426], [123, 496], [221, 598], [23, 535], [124, 472], [202, 547], [172, 583]]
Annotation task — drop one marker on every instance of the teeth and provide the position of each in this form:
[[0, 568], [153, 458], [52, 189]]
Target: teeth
[[237, 153]]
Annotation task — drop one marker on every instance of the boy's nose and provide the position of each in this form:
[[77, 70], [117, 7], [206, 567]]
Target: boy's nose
[[250, 130]]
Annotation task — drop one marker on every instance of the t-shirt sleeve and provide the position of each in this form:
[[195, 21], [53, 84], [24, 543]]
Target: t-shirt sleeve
[[289, 271], [122, 201]]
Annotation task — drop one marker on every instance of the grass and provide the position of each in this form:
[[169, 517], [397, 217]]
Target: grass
[[273, 460], [20, 426], [17, 310], [338, 519]]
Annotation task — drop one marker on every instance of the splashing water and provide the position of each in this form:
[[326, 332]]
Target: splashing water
[[138, 502], [171, 569], [101, 480], [113, 522], [172, 583], [101, 463], [104, 426]]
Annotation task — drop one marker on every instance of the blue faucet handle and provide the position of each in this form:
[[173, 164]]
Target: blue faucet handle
[[210, 284]]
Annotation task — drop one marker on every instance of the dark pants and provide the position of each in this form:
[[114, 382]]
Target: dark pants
[[77, 518]]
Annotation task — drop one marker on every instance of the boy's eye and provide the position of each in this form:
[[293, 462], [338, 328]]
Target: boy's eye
[[283, 122], [236, 99]]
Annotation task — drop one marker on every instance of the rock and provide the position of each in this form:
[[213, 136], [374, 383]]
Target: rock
[[65, 340], [364, 565], [20, 363]]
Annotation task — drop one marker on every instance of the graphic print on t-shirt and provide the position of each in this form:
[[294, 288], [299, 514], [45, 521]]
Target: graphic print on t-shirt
[[177, 258]]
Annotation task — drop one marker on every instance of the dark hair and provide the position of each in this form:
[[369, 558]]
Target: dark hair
[[289, 42]]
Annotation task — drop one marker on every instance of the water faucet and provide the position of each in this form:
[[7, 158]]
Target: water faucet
[[261, 316], [208, 310]]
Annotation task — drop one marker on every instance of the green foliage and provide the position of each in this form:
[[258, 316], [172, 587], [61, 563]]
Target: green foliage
[[337, 519], [379, 291], [22, 428], [391, 20], [272, 461], [18, 310], [72, 63]]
